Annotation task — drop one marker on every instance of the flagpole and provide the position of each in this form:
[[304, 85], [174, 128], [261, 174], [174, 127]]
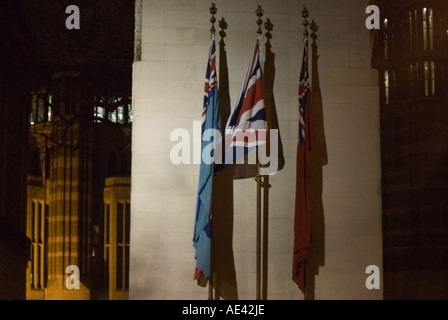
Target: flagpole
[[258, 232], [213, 11], [259, 13]]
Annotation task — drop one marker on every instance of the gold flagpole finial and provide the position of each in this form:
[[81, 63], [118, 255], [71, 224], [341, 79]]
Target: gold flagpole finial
[[305, 15], [213, 11], [259, 13]]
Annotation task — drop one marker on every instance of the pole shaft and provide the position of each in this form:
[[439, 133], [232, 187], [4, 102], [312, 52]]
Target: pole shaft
[[210, 289], [258, 232]]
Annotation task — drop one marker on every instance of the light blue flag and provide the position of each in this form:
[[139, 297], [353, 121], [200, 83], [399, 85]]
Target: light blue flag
[[210, 120]]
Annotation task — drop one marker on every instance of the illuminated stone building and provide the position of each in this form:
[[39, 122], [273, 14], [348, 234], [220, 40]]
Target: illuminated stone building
[[411, 54], [65, 150], [79, 192]]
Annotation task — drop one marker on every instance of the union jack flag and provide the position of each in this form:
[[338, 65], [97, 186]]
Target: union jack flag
[[246, 127], [210, 120], [210, 83], [304, 91]]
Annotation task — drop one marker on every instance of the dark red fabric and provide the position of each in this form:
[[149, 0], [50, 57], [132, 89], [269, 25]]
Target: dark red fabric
[[302, 225]]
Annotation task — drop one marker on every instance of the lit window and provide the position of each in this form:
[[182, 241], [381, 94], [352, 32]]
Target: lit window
[[433, 78], [130, 117], [99, 113], [428, 29], [117, 218], [41, 108], [37, 236], [386, 87], [412, 16], [123, 240], [425, 30], [113, 116], [120, 114], [50, 104], [114, 109], [106, 241], [430, 78], [33, 109], [431, 29], [386, 40]]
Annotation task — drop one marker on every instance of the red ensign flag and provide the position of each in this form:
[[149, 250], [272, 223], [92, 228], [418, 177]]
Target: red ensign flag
[[302, 225]]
